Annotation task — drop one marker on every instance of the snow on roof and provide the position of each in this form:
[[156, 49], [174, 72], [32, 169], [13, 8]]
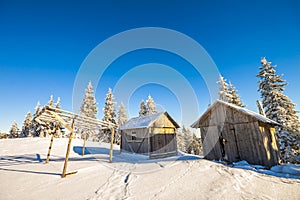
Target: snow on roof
[[145, 121], [257, 116]]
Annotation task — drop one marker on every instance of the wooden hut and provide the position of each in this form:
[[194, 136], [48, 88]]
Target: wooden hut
[[153, 135], [232, 133]]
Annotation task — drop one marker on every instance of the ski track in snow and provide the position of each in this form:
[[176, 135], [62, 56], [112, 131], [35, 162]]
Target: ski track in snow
[[117, 185]]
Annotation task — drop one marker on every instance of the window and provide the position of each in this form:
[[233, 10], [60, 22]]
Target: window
[[133, 136]]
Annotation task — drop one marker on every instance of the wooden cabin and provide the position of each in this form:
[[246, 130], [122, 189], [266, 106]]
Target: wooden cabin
[[232, 133], [153, 135]]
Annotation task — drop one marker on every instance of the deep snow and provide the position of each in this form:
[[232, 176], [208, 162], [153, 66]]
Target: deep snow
[[24, 175]]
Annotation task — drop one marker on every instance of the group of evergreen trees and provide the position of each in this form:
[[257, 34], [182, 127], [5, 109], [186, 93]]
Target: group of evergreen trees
[[187, 141], [110, 114], [31, 128], [228, 93], [147, 108]]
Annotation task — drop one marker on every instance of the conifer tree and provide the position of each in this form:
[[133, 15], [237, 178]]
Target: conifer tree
[[109, 112], [151, 107], [58, 103], [180, 140], [234, 97], [14, 131], [143, 109], [224, 94], [37, 128], [196, 145], [58, 127], [122, 118], [188, 139], [27, 129], [88, 107], [50, 102], [122, 115], [280, 108], [109, 109]]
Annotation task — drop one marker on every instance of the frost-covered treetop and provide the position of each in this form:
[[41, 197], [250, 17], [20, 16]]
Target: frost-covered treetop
[[50, 102], [151, 107]]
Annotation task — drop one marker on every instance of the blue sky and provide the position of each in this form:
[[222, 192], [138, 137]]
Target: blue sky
[[43, 44]]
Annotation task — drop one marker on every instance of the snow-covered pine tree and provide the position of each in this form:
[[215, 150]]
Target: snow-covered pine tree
[[122, 118], [27, 129], [143, 109], [109, 112], [234, 97], [109, 109], [37, 128], [224, 94], [151, 107], [50, 102], [196, 145], [58, 103], [180, 140], [280, 108], [122, 115], [188, 139], [14, 131], [58, 127], [88, 107]]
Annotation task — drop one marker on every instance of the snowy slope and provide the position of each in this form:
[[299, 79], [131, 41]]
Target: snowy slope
[[23, 175]]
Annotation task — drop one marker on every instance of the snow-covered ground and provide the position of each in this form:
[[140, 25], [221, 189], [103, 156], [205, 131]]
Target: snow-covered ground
[[24, 175]]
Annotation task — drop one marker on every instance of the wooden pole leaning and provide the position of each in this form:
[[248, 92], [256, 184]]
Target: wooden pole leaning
[[111, 144], [84, 142], [50, 147], [68, 150]]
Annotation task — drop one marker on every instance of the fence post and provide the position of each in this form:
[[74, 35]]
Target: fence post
[[111, 144], [68, 151]]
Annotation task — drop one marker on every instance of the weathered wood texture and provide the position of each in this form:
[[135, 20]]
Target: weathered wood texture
[[230, 135]]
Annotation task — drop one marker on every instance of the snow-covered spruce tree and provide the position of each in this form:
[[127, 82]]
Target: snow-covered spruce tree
[[38, 129], [27, 129], [151, 107], [88, 108], [143, 109], [180, 140], [58, 103], [196, 145], [50, 102], [280, 108], [224, 94], [122, 115], [109, 112], [122, 118], [234, 96], [188, 140], [14, 131], [58, 127]]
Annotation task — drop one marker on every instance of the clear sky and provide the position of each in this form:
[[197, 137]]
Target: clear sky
[[44, 43]]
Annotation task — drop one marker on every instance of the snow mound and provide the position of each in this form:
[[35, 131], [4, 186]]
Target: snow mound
[[284, 171]]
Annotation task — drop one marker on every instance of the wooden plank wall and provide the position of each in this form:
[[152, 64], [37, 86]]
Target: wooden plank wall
[[244, 137]]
